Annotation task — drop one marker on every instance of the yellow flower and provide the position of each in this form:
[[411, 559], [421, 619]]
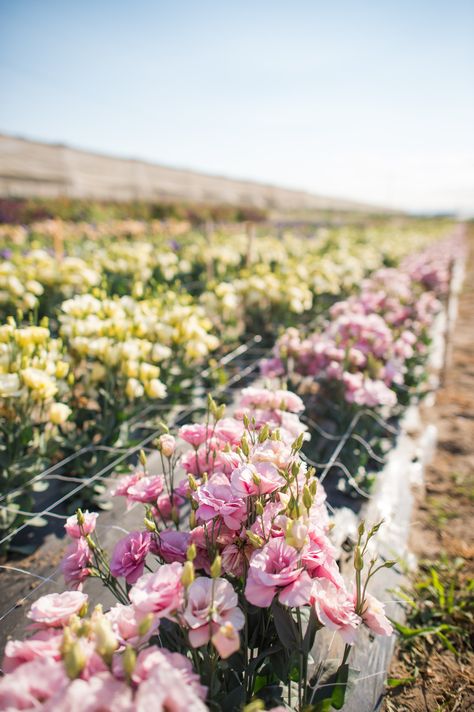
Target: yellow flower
[[59, 413]]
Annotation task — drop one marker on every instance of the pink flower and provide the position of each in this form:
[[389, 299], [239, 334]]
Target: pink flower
[[166, 444], [129, 556], [75, 563], [166, 688], [233, 560], [160, 592], [229, 430], [216, 499], [194, 434], [171, 545], [55, 609], [210, 604], [318, 559], [335, 609], [100, 693], [32, 684], [275, 570], [125, 622], [373, 615], [153, 657], [226, 640], [44, 644], [121, 487], [146, 489], [87, 527], [261, 478]]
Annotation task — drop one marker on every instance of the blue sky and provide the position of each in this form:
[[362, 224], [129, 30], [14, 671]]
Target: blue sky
[[366, 100]]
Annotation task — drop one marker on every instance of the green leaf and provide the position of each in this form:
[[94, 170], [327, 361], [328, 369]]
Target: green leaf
[[393, 682], [286, 627]]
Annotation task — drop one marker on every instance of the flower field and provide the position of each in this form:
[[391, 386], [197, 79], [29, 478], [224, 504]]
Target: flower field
[[206, 416]]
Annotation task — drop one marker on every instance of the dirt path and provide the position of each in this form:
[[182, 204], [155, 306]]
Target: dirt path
[[442, 519]]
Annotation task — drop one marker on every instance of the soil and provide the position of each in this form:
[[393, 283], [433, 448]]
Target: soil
[[442, 517]]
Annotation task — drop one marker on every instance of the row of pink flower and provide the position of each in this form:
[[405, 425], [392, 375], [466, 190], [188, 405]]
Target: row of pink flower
[[257, 528], [368, 339]]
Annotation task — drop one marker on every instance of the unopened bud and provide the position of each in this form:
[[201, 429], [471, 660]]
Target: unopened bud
[[258, 507], [142, 458], [358, 560], [361, 529], [105, 641], [129, 659], [216, 567], [192, 483], [80, 517], [174, 514], [307, 498], [74, 660], [246, 420], [192, 519], [255, 539], [187, 577], [191, 552], [244, 444], [150, 525], [145, 624], [313, 487], [264, 433]]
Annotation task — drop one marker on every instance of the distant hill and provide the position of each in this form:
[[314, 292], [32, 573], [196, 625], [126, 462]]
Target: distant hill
[[32, 169]]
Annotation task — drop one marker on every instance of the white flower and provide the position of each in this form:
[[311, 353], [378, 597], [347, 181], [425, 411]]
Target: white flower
[[9, 385], [59, 413]]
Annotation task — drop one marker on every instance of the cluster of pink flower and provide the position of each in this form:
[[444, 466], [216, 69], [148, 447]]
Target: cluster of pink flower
[[367, 345], [255, 536]]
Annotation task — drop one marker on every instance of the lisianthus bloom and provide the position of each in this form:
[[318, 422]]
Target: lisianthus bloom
[[261, 478], [166, 444], [75, 563], [373, 615], [166, 688], [146, 489], [216, 499], [194, 434], [55, 609], [100, 692], [126, 623], [87, 526], [153, 657], [160, 592], [171, 545], [335, 609], [32, 684], [210, 604], [128, 558], [46, 643], [276, 570]]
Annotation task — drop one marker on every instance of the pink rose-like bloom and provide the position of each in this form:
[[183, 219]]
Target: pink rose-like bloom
[[373, 615], [211, 603], [233, 560], [146, 489], [335, 609], [75, 563], [194, 434], [121, 488], [166, 444], [275, 569], [160, 592], [87, 527], [216, 499], [55, 609], [152, 657], [165, 689], [44, 644], [226, 640], [128, 558], [229, 430], [32, 684], [171, 545], [101, 692], [261, 478], [125, 622]]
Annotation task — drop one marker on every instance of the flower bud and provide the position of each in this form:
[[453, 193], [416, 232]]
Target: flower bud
[[142, 458], [358, 560], [259, 508], [192, 483], [150, 524], [216, 567], [187, 577], [105, 641], [191, 552], [145, 624], [264, 433], [74, 660], [255, 539], [244, 444], [129, 659], [307, 497]]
